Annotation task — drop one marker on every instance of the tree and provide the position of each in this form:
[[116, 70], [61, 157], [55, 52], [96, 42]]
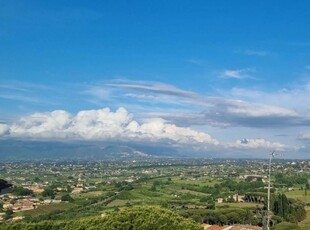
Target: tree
[[8, 214], [67, 197], [20, 191], [137, 218], [48, 192], [149, 218]]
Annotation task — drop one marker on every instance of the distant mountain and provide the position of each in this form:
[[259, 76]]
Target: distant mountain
[[123, 151], [30, 150]]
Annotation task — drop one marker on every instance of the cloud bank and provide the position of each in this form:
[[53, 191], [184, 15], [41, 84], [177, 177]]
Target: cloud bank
[[106, 125], [101, 125]]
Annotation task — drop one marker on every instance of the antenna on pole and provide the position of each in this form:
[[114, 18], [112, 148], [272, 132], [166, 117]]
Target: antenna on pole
[[271, 156]]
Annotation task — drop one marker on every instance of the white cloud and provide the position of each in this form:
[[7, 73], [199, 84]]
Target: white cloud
[[245, 109], [236, 107], [103, 125], [23, 98], [196, 61], [295, 98], [237, 73], [120, 126], [261, 53], [153, 87], [258, 143], [305, 136], [4, 129], [42, 125], [101, 93]]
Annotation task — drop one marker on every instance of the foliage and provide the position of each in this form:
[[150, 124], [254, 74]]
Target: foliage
[[67, 197], [286, 226], [8, 214], [291, 210], [48, 192], [223, 216], [290, 180], [138, 218], [20, 191]]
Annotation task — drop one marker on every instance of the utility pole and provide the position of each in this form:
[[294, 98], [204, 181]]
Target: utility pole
[[268, 204], [266, 226]]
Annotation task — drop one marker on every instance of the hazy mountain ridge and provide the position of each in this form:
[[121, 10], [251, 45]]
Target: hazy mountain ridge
[[32, 150]]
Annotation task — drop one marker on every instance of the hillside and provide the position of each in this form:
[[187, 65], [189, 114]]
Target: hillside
[[138, 218]]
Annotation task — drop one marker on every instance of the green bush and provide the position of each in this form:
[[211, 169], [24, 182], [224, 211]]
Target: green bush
[[138, 218], [286, 226]]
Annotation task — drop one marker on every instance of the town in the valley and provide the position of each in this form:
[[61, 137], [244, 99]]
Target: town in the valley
[[216, 193]]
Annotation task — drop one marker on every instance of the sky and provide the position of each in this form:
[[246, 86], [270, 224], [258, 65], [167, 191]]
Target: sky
[[230, 78]]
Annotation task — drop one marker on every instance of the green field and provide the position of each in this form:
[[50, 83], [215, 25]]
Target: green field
[[44, 209], [306, 222], [299, 194], [239, 205]]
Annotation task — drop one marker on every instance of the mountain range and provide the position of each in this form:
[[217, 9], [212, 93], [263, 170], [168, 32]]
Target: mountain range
[[39, 150]]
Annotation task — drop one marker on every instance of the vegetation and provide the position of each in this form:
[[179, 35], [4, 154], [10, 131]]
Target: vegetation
[[137, 218], [201, 190], [67, 197], [48, 192], [20, 191], [286, 226], [289, 209], [225, 216]]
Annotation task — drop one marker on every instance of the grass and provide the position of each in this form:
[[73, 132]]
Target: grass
[[117, 203], [202, 181], [44, 209], [299, 194], [191, 192], [237, 205], [306, 222]]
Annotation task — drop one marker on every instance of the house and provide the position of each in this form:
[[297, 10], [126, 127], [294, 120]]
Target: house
[[23, 205], [16, 218], [238, 198], [205, 226], [77, 190], [7, 206]]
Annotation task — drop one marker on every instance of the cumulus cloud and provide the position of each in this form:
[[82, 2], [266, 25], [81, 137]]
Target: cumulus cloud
[[103, 125], [4, 129], [120, 126], [42, 125], [258, 143]]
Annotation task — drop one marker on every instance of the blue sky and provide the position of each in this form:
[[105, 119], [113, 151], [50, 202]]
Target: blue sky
[[235, 71]]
